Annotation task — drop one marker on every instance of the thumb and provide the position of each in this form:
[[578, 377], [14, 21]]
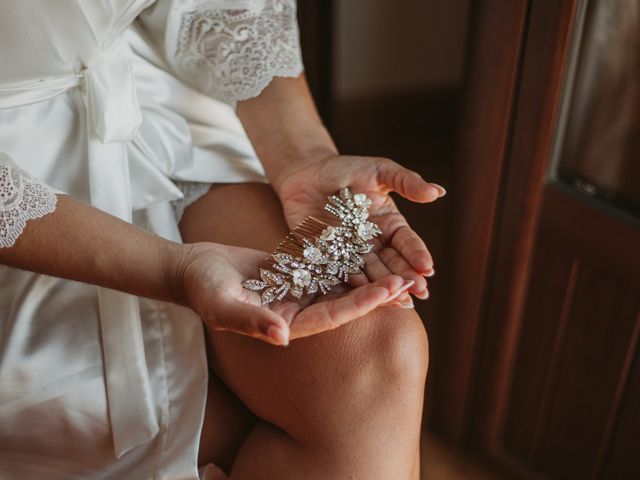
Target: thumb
[[251, 320], [407, 183]]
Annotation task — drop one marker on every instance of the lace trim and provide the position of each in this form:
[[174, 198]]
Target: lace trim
[[22, 198], [191, 192], [233, 55]]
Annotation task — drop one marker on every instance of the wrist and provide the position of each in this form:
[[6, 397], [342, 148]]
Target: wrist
[[296, 159], [285, 128], [174, 262]]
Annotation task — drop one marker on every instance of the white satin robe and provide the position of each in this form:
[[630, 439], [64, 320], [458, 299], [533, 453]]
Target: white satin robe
[[97, 102]]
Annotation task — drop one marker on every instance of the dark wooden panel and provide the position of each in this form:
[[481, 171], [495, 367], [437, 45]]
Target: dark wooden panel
[[543, 322], [589, 226], [600, 328], [623, 459], [551, 291], [579, 335]]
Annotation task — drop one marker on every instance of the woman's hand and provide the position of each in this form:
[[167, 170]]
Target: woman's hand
[[210, 276], [303, 189]]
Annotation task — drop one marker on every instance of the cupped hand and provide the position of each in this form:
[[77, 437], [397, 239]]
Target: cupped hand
[[303, 189], [210, 277]]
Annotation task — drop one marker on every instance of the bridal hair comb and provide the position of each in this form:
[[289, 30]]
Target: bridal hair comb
[[316, 256]]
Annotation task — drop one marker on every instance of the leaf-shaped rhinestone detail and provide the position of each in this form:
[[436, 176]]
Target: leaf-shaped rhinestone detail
[[255, 285], [327, 257]]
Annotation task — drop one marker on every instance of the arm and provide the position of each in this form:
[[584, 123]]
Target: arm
[[78, 242], [284, 127]]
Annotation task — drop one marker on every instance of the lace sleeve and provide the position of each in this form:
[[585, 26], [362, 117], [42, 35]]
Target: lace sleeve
[[232, 50], [22, 198]]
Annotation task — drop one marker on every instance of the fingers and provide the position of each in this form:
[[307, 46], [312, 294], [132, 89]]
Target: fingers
[[407, 183], [251, 320], [397, 265], [413, 250], [388, 261], [331, 314], [375, 269]]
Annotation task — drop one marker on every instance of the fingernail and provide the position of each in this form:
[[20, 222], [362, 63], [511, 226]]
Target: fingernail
[[406, 304], [442, 192], [423, 295], [396, 293], [278, 335], [431, 273], [398, 304], [402, 301], [407, 285]]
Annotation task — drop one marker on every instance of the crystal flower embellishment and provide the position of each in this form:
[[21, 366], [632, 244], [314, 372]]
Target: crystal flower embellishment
[[315, 256]]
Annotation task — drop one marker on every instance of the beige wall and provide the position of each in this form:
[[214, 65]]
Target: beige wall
[[394, 46]]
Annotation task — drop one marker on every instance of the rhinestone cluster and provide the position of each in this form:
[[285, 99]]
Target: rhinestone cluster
[[328, 259]]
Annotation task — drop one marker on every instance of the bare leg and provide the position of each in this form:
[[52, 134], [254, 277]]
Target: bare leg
[[226, 425], [343, 404]]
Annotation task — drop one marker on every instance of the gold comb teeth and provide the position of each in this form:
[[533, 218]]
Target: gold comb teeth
[[315, 256]]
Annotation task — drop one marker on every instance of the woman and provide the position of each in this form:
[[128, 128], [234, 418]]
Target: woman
[[131, 200]]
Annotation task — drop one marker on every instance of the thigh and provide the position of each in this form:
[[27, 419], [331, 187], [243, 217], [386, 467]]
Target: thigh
[[312, 379]]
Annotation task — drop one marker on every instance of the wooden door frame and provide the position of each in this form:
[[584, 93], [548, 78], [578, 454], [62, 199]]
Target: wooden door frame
[[518, 53], [550, 39], [495, 42]]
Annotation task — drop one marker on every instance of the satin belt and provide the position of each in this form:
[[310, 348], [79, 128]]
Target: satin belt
[[113, 117]]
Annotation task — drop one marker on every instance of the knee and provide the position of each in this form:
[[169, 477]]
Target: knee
[[371, 370], [384, 360], [384, 384], [399, 350]]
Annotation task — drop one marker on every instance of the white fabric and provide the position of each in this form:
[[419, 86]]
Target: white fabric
[[95, 383], [21, 198], [111, 92]]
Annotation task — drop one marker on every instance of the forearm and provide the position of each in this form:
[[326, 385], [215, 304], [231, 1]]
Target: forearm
[[284, 126], [79, 242]]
